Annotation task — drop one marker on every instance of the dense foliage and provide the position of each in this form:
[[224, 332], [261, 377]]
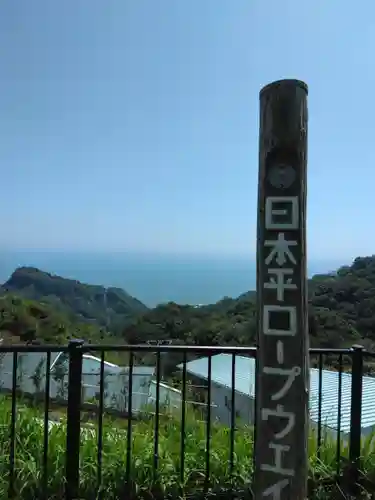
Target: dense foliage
[[28, 320], [166, 478], [77, 301], [342, 312], [38, 305]]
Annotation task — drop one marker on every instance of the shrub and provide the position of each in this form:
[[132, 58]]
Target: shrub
[[29, 466]]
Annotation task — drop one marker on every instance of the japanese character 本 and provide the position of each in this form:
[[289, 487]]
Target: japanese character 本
[[280, 250], [280, 413]]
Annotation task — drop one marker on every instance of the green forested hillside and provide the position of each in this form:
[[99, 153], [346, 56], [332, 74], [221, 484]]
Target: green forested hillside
[[26, 320], [77, 301], [342, 312]]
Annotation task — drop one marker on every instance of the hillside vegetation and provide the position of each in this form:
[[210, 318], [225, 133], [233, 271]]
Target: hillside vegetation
[[25, 320], [229, 474], [75, 300], [37, 305], [342, 312]]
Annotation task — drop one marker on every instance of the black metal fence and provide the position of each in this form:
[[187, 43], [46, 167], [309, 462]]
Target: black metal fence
[[217, 470]]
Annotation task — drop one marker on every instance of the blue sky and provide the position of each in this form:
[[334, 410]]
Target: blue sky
[[133, 125]]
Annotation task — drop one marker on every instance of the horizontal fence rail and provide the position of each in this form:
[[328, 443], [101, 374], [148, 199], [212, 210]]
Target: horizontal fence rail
[[176, 420]]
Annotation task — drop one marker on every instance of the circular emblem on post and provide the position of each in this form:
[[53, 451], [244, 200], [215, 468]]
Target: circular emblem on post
[[281, 176]]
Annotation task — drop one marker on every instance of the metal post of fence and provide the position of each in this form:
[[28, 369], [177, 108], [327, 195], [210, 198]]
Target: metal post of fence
[[355, 416], [282, 386], [73, 433]]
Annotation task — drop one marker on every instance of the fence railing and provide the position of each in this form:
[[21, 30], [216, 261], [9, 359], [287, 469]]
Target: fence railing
[[190, 429]]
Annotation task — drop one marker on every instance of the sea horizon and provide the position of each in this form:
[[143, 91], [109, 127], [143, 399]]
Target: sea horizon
[[153, 278]]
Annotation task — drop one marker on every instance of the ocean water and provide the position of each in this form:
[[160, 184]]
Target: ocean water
[[153, 279]]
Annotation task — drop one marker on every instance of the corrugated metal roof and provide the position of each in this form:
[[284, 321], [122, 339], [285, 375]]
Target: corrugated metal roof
[[245, 383], [221, 371], [91, 364]]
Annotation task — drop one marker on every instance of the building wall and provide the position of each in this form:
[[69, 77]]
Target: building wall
[[221, 400], [116, 390], [29, 365], [116, 383], [169, 397], [221, 411]]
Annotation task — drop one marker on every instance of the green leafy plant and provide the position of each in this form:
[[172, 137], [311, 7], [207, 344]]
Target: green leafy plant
[[29, 456]]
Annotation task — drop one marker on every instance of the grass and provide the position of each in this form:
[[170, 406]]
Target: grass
[[29, 457]]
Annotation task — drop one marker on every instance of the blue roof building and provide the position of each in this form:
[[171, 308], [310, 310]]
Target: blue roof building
[[244, 384]]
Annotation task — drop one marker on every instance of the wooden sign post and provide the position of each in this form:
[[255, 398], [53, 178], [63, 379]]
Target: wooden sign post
[[281, 457]]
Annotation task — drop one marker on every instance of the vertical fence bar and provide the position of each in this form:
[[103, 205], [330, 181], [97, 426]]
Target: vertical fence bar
[[232, 417], [320, 397], [355, 417], [74, 406], [338, 442], [157, 415], [208, 423], [183, 423], [46, 426], [254, 419], [130, 416], [73, 432], [12, 450], [100, 425]]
